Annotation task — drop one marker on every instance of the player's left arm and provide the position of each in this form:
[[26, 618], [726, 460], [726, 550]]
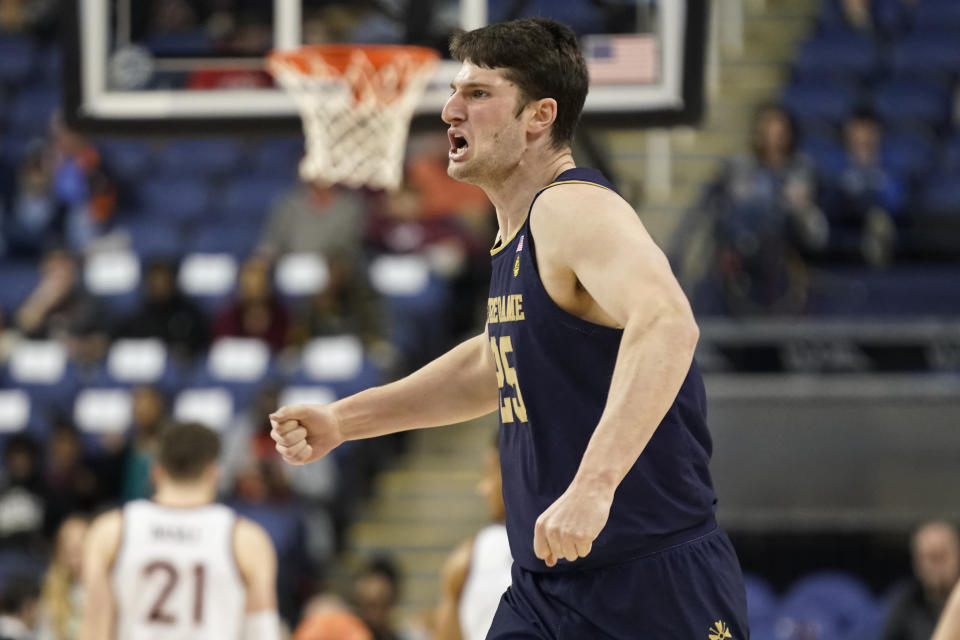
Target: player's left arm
[[596, 238], [99, 552], [257, 560]]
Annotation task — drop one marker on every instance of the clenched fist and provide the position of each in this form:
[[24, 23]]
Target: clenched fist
[[569, 526], [305, 432]]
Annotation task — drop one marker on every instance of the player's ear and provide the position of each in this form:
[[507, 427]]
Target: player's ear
[[542, 115]]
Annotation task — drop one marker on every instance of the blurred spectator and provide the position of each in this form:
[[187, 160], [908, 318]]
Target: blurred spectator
[[477, 573], [767, 216], [35, 16], [61, 599], [149, 418], [375, 594], [873, 18], [315, 219], [256, 311], [59, 307], [871, 194], [167, 314], [35, 217], [347, 305], [18, 608], [71, 484], [22, 501], [936, 564], [81, 185]]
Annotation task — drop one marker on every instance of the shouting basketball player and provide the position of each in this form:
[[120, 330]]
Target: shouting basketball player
[[587, 358], [180, 567]]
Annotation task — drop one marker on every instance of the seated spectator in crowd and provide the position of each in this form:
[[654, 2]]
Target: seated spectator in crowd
[[34, 16], [61, 598], [133, 460], [884, 19], [935, 548], [59, 307], [315, 219], [18, 608], [256, 311], [35, 216], [766, 218], [22, 499], [167, 314], [71, 484], [81, 185], [375, 594], [870, 194]]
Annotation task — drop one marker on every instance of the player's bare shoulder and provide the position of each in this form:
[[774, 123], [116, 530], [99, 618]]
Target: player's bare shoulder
[[105, 537]]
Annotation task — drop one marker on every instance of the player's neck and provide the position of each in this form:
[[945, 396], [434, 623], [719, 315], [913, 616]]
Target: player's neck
[[512, 196], [184, 496]]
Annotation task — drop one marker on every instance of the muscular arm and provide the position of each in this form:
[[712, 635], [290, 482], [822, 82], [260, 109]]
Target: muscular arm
[[457, 386], [99, 553], [616, 262], [257, 561]]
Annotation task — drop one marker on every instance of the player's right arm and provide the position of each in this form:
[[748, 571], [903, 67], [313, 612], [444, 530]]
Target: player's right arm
[[452, 579], [457, 386], [257, 561], [99, 552]]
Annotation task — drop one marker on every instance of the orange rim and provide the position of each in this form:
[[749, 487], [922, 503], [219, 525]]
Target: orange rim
[[339, 56]]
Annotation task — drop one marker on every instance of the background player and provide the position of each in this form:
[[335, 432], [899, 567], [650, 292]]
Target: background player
[[478, 572], [180, 566], [596, 331]]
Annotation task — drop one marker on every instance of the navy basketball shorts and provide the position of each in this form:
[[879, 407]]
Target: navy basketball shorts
[[691, 591]]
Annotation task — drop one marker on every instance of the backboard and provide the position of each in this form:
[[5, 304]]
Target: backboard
[[176, 66]]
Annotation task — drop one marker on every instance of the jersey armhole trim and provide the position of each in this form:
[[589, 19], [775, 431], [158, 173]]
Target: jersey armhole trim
[[234, 559], [499, 246]]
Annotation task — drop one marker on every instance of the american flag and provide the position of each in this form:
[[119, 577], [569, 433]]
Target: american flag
[[622, 59]]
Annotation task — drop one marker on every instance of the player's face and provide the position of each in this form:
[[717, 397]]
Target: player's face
[[486, 135]]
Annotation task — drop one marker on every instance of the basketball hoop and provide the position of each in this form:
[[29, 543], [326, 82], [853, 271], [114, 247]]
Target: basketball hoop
[[356, 102]]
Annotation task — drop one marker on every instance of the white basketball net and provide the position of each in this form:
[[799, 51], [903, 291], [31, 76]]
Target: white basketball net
[[355, 122]]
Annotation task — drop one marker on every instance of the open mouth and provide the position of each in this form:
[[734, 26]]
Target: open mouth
[[458, 146]]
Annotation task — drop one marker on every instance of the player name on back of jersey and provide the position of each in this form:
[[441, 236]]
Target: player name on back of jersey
[[505, 309], [173, 533]]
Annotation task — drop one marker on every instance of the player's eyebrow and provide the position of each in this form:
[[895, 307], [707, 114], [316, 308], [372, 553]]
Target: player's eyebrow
[[470, 85]]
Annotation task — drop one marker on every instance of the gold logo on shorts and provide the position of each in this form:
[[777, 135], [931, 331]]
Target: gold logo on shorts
[[719, 631], [516, 267]]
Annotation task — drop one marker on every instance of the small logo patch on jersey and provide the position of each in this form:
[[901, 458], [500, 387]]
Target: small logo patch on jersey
[[719, 631], [520, 244], [516, 267]]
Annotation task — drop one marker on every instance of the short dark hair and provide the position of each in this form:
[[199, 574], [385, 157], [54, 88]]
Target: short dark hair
[[185, 449], [541, 56]]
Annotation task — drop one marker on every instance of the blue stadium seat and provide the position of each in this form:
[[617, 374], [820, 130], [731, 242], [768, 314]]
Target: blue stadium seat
[[212, 158], [832, 599], [278, 158], [151, 238], [951, 155], [176, 200], [49, 64], [941, 196], [50, 384], [336, 362], [31, 110], [827, 154], [904, 104], [928, 56], [238, 240], [250, 199], [761, 601], [17, 58], [908, 155], [17, 280], [822, 101], [126, 160], [187, 43], [838, 56], [937, 16], [581, 15], [239, 365]]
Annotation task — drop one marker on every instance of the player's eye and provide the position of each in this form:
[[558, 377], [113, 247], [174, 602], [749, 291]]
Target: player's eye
[[479, 93]]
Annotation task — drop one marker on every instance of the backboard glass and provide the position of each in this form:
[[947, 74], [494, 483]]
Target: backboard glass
[[173, 66]]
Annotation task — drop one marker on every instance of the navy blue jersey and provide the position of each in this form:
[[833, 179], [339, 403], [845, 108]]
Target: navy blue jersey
[[554, 371]]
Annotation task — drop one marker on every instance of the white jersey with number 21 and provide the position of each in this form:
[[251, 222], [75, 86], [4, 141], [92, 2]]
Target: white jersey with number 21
[[175, 576]]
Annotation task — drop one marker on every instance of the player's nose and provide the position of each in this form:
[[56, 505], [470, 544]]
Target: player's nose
[[453, 112]]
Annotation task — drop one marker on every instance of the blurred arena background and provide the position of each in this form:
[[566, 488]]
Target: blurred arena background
[[798, 160]]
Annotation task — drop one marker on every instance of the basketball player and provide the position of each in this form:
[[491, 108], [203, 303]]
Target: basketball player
[[587, 358], [478, 571], [180, 567], [949, 626]]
